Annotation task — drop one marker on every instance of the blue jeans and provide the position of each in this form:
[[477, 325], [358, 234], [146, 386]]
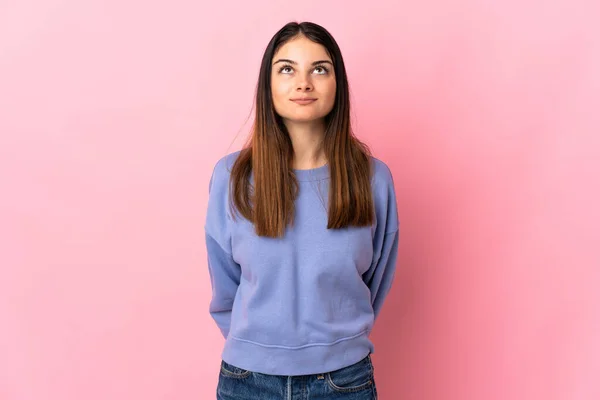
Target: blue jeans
[[355, 382]]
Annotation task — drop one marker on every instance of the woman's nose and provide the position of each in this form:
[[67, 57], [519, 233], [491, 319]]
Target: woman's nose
[[304, 84]]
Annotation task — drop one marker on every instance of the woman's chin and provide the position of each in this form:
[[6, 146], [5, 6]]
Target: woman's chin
[[302, 119]]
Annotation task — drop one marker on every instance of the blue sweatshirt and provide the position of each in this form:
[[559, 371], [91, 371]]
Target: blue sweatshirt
[[305, 303]]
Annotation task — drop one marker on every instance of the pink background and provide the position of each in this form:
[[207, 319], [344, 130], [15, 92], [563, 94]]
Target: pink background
[[112, 114]]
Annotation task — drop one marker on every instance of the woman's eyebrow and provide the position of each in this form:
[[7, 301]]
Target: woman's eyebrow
[[294, 62]]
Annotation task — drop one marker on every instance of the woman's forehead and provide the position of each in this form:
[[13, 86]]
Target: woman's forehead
[[302, 50]]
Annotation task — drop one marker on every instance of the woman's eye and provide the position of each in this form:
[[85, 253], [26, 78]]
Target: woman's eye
[[320, 70]]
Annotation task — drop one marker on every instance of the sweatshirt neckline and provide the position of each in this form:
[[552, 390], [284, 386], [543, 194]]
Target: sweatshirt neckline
[[313, 174]]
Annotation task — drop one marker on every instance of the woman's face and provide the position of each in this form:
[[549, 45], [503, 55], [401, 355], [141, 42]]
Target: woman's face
[[302, 69]]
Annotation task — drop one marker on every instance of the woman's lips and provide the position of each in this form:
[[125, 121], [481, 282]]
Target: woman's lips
[[303, 101]]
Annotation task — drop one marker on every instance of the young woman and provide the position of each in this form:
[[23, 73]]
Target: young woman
[[301, 235]]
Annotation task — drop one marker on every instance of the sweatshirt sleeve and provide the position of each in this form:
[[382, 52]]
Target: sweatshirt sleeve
[[380, 275], [223, 270]]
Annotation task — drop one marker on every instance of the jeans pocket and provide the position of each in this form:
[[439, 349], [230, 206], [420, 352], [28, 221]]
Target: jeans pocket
[[232, 371], [353, 378]]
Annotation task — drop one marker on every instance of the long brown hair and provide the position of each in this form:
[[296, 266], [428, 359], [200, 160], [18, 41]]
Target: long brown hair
[[268, 155]]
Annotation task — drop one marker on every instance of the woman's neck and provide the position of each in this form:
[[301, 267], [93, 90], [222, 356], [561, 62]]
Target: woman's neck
[[307, 141]]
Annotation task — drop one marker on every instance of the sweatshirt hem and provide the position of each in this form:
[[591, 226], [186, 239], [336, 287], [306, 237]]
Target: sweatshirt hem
[[299, 360]]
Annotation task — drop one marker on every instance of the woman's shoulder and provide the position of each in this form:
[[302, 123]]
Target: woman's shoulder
[[226, 162], [384, 196], [222, 168], [381, 172], [219, 179]]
